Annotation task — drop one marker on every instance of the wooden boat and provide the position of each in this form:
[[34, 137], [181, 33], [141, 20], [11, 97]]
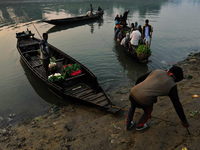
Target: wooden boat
[[83, 88], [131, 52], [74, 20], [61, 28]]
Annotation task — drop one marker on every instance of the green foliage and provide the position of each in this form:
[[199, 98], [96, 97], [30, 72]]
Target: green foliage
[[52, 60], [38, 51], [70, 68], [143, 49], [126, 31]]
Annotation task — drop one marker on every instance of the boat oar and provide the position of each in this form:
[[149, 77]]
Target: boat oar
[[32, 23]]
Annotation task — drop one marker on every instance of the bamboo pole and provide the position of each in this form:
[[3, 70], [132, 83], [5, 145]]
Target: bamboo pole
[[32, 23]]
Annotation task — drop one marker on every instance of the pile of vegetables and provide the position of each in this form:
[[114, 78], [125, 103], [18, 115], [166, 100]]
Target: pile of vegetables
[[143, 49]]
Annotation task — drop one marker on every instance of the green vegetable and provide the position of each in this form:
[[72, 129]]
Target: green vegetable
[[143, 49], [52, 60]]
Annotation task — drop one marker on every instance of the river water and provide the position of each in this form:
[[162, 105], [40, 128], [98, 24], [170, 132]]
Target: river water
[[176, 34]]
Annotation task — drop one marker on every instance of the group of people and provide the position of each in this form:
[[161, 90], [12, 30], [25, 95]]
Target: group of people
[[137, 35], [121, 19], [90, 13]]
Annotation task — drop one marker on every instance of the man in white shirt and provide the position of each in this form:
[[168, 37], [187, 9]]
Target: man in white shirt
[[135, 37], [146, 31]]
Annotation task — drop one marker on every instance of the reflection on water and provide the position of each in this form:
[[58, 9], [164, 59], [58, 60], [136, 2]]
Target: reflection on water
[[133, 69], [14, 13], [40, 88]]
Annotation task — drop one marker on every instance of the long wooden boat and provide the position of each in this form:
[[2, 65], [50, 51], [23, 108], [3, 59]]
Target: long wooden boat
[[82, 88], [131, 52], [61, 28], [74, 20]]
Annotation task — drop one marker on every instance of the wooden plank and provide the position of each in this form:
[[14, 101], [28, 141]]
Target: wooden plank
[[98, 100], [31, 51], [29, 44], [35, 66], [77, 76], [57, 60], [93, 97], [75, 86], [104, 103], [84, 96], [79, 90], [84, 93]]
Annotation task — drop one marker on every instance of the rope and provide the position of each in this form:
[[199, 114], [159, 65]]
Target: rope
[[140, 113]]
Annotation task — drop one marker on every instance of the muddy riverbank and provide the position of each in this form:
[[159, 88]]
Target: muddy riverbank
[[82, 127]]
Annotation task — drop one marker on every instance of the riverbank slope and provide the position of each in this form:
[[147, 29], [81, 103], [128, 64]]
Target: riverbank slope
[[83, 127]]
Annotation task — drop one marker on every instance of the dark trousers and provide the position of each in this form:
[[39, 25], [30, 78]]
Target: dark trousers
[[46, 65], [143, 119]]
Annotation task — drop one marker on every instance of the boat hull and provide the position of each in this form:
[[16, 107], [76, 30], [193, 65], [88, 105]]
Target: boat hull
[[74, 20]]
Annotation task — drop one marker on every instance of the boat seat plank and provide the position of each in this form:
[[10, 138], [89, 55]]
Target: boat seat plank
[[29, 44], [39, 65], [74, 77], [58, 60], [93, 97], [85, 93], [31, 51]]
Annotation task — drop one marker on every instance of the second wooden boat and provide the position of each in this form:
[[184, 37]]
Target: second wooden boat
[[75, 20]]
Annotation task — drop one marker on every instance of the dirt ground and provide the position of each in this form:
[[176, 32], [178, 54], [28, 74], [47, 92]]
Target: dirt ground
[[82, 127]]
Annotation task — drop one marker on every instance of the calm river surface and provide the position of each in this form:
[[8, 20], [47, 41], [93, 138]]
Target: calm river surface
[[176, 34]]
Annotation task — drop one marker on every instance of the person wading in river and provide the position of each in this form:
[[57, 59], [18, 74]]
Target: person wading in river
[[45, 53], [148, 87]]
